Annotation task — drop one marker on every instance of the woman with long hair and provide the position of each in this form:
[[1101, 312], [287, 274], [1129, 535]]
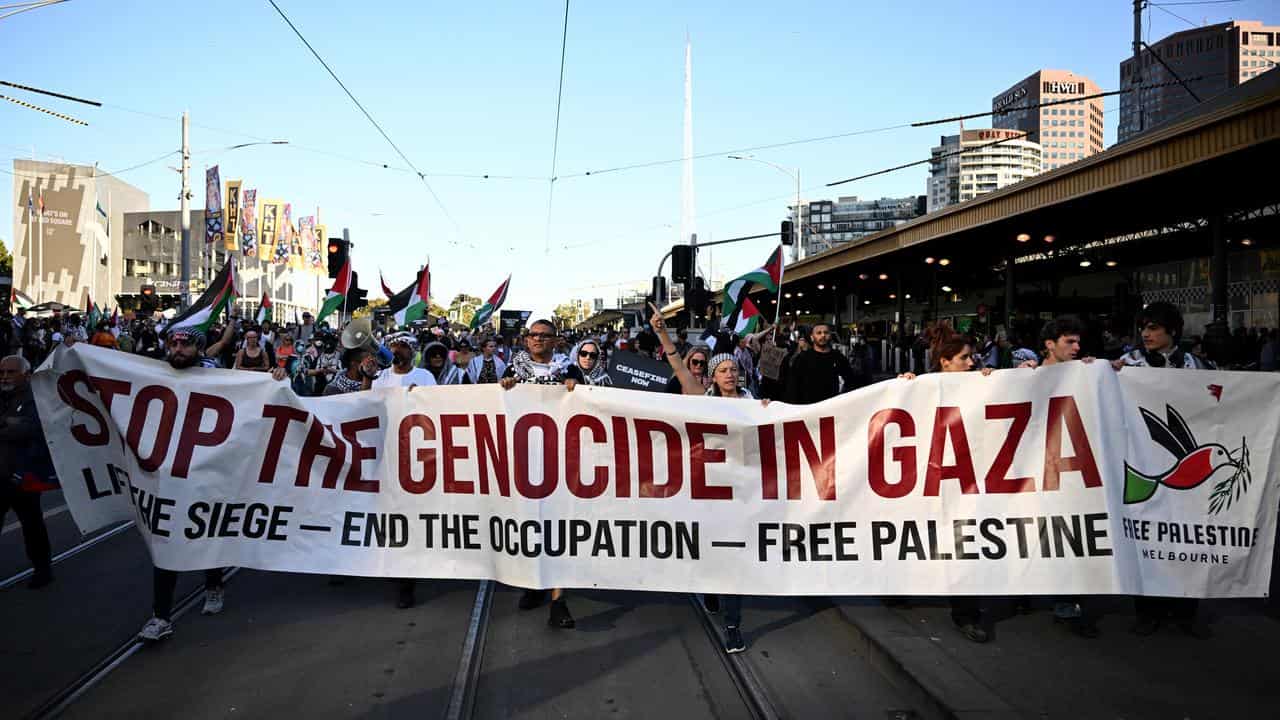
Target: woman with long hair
[[952, 352], [724, 382], [252, 356]]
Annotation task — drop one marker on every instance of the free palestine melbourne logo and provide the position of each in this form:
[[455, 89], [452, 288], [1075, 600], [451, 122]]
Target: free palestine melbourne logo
[[1194, 463]]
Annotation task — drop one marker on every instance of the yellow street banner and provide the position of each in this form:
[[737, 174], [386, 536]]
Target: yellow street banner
[[269, 226]]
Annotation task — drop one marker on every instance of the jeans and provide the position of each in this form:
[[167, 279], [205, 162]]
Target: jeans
[[165, 582], [1182, 609], [731, 606], [26, 505], [965, 611]]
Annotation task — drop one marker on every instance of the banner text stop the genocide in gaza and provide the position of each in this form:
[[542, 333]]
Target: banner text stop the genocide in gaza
[[537, 456], [1010, 484]]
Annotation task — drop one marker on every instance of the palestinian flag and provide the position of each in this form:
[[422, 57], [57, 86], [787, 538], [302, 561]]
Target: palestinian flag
[[748, 318], [115, 317], [205, 310], [386, 291], [411, 303], [91, 314], [485, 312], [264, 309], [736, 298], [337, 294], [20, 300]]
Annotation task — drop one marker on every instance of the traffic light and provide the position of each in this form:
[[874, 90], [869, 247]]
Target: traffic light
[[659, 292], [788, 235], [339, 251], [681, 263], [149, 302], [356, 297], [696, 298]]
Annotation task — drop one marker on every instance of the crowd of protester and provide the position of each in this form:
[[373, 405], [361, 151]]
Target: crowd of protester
[[787, 363]]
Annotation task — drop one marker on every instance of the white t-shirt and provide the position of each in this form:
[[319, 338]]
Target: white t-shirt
[[416, 376]]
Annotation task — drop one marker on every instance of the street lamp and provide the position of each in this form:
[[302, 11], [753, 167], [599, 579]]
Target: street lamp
[[793, 174]]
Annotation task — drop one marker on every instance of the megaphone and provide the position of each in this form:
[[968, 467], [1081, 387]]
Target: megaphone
[[359, 334]]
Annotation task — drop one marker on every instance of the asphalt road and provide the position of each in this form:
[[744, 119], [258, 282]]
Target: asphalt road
[[295, 645]]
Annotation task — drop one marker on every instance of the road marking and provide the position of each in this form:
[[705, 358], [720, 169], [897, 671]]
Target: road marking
[[47, 514]]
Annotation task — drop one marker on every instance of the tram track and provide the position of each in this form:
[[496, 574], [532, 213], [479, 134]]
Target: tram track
[[57, 703], [69, 553]]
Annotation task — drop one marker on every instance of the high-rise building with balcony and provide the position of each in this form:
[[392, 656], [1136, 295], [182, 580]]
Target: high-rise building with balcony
[[970, 164]]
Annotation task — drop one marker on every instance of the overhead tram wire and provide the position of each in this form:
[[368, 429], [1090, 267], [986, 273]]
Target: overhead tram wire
[[555, 141], [421, 176], [934, 158], [99, 173], [721, 153], [50, 93], [1016, 108]]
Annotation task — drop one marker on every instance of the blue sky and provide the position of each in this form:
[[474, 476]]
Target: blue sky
[[470, 88]]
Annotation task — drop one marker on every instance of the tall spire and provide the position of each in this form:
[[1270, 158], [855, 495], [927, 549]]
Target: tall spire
[[687, 211]]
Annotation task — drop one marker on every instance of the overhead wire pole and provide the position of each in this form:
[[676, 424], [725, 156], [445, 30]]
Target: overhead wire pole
[[184, 212], [555, 141]]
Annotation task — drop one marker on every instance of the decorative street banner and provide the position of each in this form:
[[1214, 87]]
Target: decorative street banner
[[320, 261], [310, 251], [271, 210], [249, 223], [284, 236], [212, 205], [637, 372], [231, 215], [1065, 480]]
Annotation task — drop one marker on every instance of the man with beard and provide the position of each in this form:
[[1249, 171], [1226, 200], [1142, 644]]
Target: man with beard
[[820, 373], [486, 367], [187, 351], [402, 373], [436, 359], [536, 364]]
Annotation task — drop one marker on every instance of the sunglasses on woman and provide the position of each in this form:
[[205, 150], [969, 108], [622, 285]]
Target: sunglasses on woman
[[588, 354], [698, 363]]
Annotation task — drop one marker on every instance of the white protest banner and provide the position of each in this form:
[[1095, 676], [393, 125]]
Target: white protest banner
[[1064, 480]]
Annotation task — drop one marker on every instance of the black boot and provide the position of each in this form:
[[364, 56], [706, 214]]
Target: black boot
[[406, 597], [560, 617], [532, 599], [40, 578]]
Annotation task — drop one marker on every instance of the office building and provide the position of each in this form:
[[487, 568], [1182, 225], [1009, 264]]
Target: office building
[[1209, 60], [825, 224], [970, 164], [68, 231], [1069, 131]]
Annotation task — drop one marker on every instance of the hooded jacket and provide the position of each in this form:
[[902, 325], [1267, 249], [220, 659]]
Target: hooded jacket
[[450, 374]]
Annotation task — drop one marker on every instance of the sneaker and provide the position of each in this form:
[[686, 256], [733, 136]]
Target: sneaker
[[560, 617], [39, 579], [532, 599], [733, 642], [711, 603], [155, 629], [212, 601], [1145, 626], [973, 632], [406, 597]]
